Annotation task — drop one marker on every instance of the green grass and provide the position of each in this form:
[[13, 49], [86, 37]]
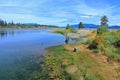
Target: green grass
[[106, 44], [64, 31], [111, 50], [88, 67], [80, 65], [60, 31]]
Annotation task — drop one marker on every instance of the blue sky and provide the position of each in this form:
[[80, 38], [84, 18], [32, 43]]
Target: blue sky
[[60, 12]]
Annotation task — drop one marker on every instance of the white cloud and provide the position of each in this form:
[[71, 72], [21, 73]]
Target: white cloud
[[26, 18], [114, 20], [83, 8], [63, 14], [54, 11], [85, 16], [22, 3]]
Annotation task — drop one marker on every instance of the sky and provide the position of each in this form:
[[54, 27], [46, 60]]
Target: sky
[[60, 12]]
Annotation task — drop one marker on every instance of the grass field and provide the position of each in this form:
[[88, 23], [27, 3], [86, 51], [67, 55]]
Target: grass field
[[79, 64]]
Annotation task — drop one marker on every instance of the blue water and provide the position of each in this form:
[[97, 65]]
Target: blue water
[[15, 45]]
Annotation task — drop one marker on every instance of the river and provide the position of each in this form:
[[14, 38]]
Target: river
[[16, 46]]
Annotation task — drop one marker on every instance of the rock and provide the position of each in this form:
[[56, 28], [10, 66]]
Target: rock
[[76, 49]]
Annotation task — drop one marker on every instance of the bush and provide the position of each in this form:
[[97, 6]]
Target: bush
[[117, 43], [73, 30], [93, 45], [101, 30], [88, 78], [94, 31], [89, 41], [99, 40], [68, 76], [109, 39], [114, 57]]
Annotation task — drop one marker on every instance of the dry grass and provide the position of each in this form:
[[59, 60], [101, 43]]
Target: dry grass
[[90, 33], [102, 66], [71, 69]]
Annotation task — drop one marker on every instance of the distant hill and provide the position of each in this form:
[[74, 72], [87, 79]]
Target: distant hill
[[93, 26], [38, 25], [31, 24], [114, 27], [86, 26]]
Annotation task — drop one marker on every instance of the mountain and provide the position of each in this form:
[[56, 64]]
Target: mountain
[[93, 26], [31, 24], [114, 27], [39, 25], [86, 26]]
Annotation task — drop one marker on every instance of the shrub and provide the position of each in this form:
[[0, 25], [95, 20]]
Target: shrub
[[101, 30], [73, 30], [99, 40], [93, 45], [109, 39], [114, 57], [94, 31], [88, 78], [117, 43], [89, 41], [68, 76]]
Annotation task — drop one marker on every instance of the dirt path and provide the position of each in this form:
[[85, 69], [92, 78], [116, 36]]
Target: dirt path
[[102, 58], [84, 48]]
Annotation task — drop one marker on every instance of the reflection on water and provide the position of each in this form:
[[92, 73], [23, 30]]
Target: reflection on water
[[67, 38], [3, 34], [19, 47]]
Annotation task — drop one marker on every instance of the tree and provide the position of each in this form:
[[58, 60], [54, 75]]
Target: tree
[[68, 26], [104, 21], [104, 26], [81, 25], [1, 22]]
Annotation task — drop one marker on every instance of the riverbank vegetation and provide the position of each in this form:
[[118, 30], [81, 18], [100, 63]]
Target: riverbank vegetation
[[96, 59], [64, 64], [63, 31], [107, 42]]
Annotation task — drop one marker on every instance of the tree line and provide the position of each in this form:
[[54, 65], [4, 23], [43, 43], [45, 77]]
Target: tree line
[[8, 24], [4, 24]]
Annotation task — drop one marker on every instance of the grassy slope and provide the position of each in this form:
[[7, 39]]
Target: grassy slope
[[59, 30], [64, 31], [85, 64], [77, 65]]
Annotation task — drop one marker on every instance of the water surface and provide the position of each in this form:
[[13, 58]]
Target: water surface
[[18, 45]]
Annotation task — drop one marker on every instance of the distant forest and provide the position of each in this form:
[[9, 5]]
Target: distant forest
[[4, 24]]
